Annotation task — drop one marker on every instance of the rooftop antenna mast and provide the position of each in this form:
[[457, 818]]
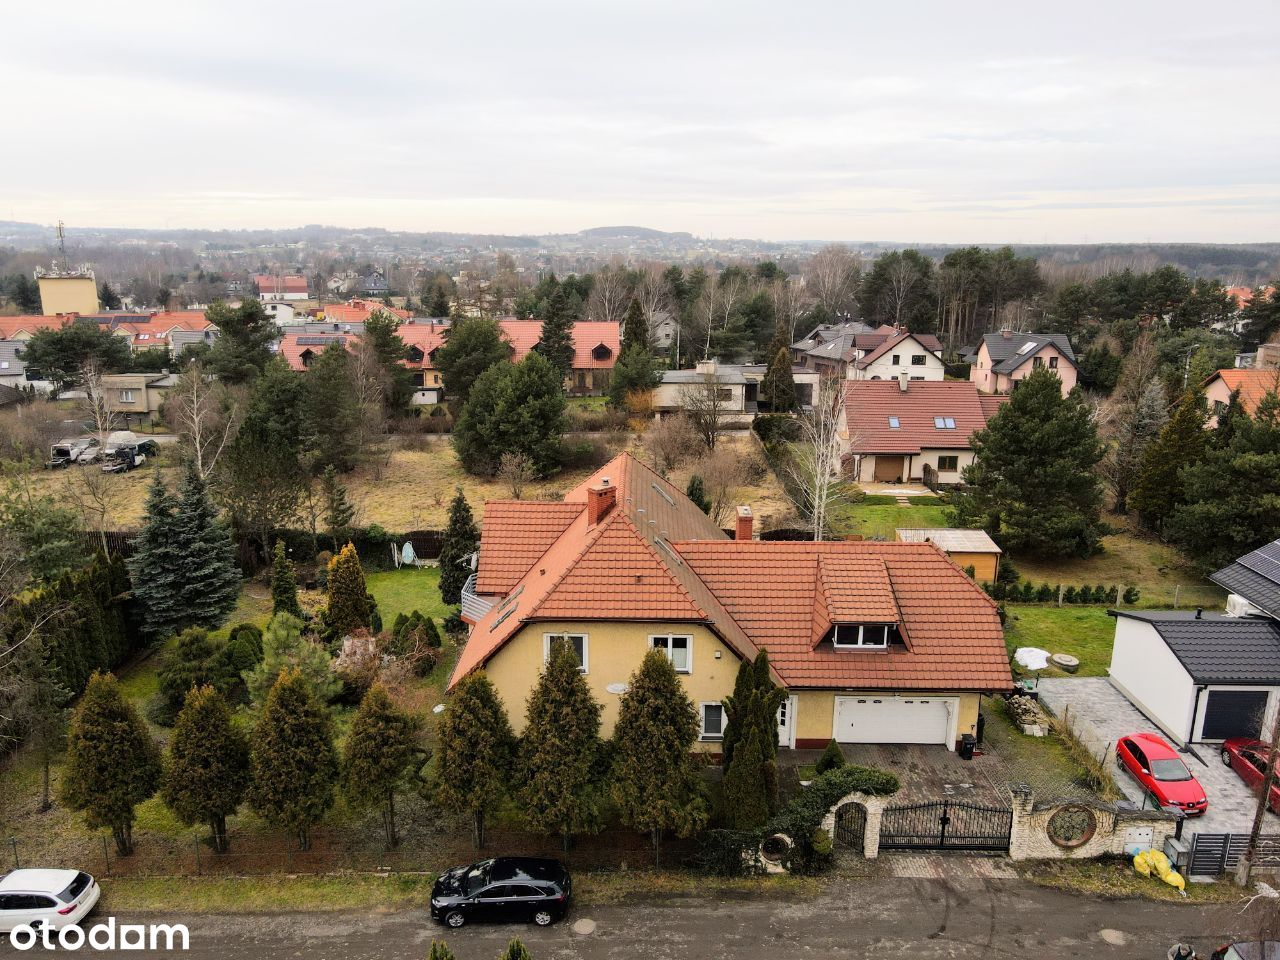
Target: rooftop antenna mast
[[62, 246]]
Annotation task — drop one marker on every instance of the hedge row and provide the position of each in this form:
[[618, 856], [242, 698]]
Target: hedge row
[[1027, 592]]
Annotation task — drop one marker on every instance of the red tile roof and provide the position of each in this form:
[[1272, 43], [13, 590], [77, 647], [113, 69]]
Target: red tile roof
[[269, 283], [427, 336], [1252, 384], [991, 402], [10, 327], [870, 403], [655, 556], [295, 343], [523, 335], [358, 311], [888, 344]]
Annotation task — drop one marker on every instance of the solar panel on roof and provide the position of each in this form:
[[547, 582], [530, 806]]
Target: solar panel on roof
[[319, 341], [1265, 561]]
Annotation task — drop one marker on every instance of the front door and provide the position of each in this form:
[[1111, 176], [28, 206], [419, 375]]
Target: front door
[[787, 723]]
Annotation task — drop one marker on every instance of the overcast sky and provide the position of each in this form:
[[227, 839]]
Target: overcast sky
[[915, 121]]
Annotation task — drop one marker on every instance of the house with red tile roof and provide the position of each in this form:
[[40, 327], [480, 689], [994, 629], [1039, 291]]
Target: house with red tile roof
[[1251, 383], [24, 327], [281, 286], [358, 311], [899, 430], [896, 353], [596, 345], [155, 329], [300, 345], [874, 642]]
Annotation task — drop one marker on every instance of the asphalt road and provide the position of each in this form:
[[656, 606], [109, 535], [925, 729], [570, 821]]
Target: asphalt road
[[918, 919]]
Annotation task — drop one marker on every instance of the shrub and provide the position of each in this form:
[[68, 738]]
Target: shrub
[[454, 625], [803, 816], [1008, 573], [1131, 595], [1045, 593], [729, 853], [1099, 593], [1112, 594], [776, 428], [832, 758], [1070, 596], [1028, 592]]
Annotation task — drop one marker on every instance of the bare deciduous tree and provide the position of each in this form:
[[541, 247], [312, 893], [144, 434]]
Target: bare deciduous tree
[[653, 293], [814, 462], [94, 490], [703, 404], [205, 414], [610, 296], [370, 381], [904, 277], [831, 276], [670, 442], [788, 307], [724, 473], [516, 471]]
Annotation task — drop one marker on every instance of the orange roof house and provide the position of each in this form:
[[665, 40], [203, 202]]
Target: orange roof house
[[24, 327], [1252, 384], [875, 642], [596, 345], [358, 311]]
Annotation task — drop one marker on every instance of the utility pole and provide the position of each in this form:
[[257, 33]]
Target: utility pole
[[1246, 860]]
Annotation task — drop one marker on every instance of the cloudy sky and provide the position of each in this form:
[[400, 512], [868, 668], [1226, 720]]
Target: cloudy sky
[[1123, 121]]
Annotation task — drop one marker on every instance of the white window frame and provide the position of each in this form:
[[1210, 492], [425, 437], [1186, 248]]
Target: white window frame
[[944, 423], [702, 721], [668, 637], [586, 647], [126, 396], [859, 645]]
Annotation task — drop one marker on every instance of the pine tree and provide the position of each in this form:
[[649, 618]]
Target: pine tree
[[1158, 490], [379, 756], [294, 763], [331, 409], [207, 564], [1227, 422], [461, 539], [154, 566], [1032, 484], [336, 509], [513, 410], [633, 375], [559, 790], [515, 951], [832, 758], [473, 347], [284, 648], [349, 609], [284, 585], [207, 771], [655, 785], [778, 388], [439, 303], [112, 763], [635, 328], [697, 492], [746, 801], [556, 339], [474, 758], [440, 951]]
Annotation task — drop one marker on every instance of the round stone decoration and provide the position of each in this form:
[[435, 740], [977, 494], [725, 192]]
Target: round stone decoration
[[584, 927], [1071, 826]]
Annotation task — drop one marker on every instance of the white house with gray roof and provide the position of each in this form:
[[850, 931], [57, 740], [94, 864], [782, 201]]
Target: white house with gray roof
[[1004, 358]]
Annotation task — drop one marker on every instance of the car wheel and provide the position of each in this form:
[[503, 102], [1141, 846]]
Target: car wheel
[[1226, 757], [455, 919], [543, 918]]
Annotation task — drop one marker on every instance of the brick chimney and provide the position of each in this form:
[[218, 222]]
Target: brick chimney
[[1006, 332], [742, 531], [600, 500], [903, 379]]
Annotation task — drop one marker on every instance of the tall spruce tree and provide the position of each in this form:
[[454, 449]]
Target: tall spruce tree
[[379, 757], [559, 791], [112, 763], [284, 584], [154, 566], [336, 509], [294, 763], [473, 347], [349, 608], [555, 342], [635, 328], [633, 375], [461, 539], [206, 773], [655, 784], [474, 758], [1033, 484], [778, 388], [1158, 490], [331, 409], [746, 799]]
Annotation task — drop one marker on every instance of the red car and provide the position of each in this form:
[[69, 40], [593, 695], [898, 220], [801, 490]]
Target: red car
[[1248, 758], [1159, 769]]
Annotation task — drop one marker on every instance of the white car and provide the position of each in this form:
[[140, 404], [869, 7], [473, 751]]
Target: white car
[[46, 898]]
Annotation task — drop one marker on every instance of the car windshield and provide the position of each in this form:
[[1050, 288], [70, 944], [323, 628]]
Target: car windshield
[[1170, 770], [477, 877]]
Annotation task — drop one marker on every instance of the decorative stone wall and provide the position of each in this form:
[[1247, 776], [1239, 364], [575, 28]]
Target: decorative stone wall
[[1082, 829], [875, 811]]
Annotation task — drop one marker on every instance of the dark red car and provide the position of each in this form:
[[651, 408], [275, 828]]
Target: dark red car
[[1248, 758], [1159, 769]]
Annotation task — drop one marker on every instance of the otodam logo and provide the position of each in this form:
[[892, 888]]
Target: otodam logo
[[106, 936]]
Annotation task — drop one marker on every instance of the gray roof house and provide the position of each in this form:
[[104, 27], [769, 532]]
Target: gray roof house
[[180, 340], [1207, 676]]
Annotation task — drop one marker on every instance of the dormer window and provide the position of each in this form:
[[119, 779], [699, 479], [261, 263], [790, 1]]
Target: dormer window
[[862, 636], [944, 423]]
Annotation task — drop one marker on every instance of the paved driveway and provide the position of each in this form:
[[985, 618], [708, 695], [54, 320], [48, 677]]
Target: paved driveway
[[1101, 714]]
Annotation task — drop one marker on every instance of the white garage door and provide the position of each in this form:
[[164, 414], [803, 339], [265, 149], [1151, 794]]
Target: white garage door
[[892, 719]]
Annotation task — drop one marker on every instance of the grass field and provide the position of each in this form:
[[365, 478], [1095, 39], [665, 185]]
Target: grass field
[[406, 590], [877, 517], [1083, 632]]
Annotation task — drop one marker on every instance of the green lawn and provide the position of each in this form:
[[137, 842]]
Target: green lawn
[[1083, 632], [406, 590], [876, 518]]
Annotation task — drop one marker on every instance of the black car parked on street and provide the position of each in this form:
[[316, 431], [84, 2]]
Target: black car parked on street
[[505, 890]]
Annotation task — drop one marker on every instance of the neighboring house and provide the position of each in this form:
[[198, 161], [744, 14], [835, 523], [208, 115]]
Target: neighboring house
[[832, 348], [299, 348], [1252, 383], [24, 327], [1207, 676], [155, 329], [358, 311], [281, 287], [595, 350], [1266, 357], [10, 396], [182, 340], [424, 340], [739, 386], [14, 371], [282, 312], [137, 396], [905, 351], [375, 284], [897, 430], [1004, 358], [968, 548], [662, 330], [874, 642]]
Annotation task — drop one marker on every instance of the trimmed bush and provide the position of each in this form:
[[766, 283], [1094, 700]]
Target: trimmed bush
[[801, 820], [832, 758], [1131, 595]]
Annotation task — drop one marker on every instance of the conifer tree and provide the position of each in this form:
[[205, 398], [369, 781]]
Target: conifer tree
[[1227, 421], [349, 608], [559, 790], [331, 409], [1033, 484], [746, 800], [1158, 490], [439, 951], [832, 758], [206, 774], [697, 492], [211, 580], [197, 660], [379, 756], [284, 585], [735, 711], [294, 763], [556, 339], [515, 951], [513, 410], [474, 345], [154, 566], [112, 763], [633, 374], [474, 759], [779, 386], [337, 510], [635, 329], [655, 785], [285, 648], [461, 538], [439, 303]]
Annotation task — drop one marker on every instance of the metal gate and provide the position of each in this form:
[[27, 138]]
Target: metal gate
[[946, 825], [1215, 853], [851, 825]]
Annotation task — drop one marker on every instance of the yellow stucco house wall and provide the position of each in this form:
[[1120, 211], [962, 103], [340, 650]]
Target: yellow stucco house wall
[[984, 565], [68, 295]]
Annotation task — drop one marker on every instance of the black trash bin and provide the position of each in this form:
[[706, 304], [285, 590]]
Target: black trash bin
[[967, 742]]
